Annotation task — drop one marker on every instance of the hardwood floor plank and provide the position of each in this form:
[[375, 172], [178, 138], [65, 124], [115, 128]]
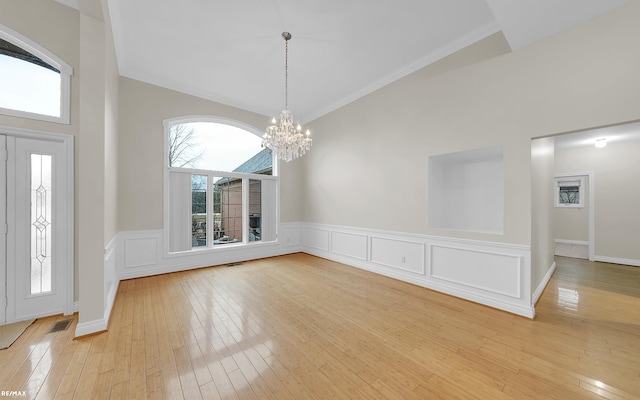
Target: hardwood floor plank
[[300, 327]]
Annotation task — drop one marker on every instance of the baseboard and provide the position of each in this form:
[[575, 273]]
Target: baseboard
[[572, 248], [617, 260], [91, 327], [543, 284], [111, 283]]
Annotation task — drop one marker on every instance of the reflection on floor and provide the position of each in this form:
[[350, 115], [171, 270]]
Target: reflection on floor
[[299, 327]]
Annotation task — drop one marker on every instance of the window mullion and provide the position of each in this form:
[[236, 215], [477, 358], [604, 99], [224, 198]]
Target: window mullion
[[245, 210], [209, 210]]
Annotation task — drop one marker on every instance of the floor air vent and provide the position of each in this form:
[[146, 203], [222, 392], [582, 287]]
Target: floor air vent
[[60, 326]]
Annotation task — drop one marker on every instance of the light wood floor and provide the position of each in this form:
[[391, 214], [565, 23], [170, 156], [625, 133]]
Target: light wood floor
[[300, 327]]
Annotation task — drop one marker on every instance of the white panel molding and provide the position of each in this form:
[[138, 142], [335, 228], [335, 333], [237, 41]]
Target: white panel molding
[[456, 267], [349, 244], [140, 248], [618, 260], [543, 284], [317, 238], [386, 249], [140, 253], [406, 255], [134, 254], [290, 234]]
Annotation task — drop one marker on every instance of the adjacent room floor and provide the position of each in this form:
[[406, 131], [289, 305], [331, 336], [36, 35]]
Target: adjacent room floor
[[301, 327]]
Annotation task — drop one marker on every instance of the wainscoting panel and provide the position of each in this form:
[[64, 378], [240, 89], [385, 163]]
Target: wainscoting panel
[[141, 249], [142, 253], [399, 254], [349, 244], [477, 269], [495, 274], [289, 235], [315, 238]]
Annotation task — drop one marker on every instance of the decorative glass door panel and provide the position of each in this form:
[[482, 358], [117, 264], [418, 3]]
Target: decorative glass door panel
[[41, 218]]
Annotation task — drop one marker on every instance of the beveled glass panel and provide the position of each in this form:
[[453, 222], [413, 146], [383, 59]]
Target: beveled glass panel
[[41, 223]]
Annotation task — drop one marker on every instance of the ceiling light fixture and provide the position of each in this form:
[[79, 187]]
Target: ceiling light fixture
[[283, 136], [600, 143]]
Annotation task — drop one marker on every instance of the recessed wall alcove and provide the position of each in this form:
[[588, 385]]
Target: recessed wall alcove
[[466, 191]]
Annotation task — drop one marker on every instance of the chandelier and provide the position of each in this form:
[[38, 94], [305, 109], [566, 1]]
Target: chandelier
[[283, 136]]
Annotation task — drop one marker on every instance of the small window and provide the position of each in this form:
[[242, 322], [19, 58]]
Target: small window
[[569, 192], [34, 83]]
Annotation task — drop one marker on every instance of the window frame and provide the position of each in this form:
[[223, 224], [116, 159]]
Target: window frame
[[569, 181], [246, 177], [66, 72]]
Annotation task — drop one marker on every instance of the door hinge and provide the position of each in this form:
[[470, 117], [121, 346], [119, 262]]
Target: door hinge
[[6, 229]]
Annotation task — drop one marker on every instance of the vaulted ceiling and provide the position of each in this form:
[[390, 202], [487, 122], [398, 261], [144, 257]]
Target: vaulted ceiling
[[232, 51]]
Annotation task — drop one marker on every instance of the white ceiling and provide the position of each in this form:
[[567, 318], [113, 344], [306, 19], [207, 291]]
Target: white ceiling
[[232, 51]]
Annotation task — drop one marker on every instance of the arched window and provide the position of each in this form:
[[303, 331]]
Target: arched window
[[221, 185], [33, 82]]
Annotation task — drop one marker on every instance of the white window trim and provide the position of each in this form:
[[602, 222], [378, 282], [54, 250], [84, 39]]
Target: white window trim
[[66, 71], [167, 124], [570, 180]]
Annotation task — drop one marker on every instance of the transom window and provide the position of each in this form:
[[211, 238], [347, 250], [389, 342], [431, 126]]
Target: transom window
[[222, 189], [33, 83]]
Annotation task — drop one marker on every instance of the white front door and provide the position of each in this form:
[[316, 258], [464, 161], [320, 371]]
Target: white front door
[[38, 265]]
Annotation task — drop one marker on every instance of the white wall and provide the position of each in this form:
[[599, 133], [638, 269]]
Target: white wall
[[542, 207], [56, 28], [143, 108], [112, 86], [368, 167], [616, 171], [83, 42]]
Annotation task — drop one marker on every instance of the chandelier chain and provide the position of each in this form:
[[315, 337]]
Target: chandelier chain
[[286, 74]]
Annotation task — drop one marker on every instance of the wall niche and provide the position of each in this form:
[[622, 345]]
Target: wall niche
[[466, 190]]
